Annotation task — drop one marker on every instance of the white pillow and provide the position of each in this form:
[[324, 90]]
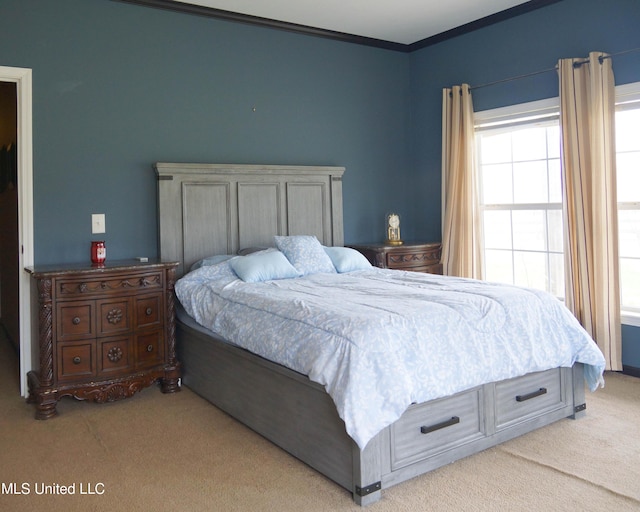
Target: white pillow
[[346, 259], [305, 253], [263, 266]]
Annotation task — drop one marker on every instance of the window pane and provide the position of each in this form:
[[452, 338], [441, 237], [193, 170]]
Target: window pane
[[498, 266], [555, 181], [628, 169], [627, 126], [630, 282], [554, 230], [497, 229], [553, 141], [530, 144], [629, 234], [529, 230], [556, 275], [530, 269], [496, 184], [496, 148], [530, 182]]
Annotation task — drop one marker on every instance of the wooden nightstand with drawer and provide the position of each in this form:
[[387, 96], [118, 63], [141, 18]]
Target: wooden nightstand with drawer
[[104, 332], [415, 256]]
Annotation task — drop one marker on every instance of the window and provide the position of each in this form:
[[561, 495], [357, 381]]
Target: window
[[628, 170], [521, 199], [521, 196]]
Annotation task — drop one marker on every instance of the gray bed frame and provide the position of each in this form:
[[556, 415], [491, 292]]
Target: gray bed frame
[[208, 209]]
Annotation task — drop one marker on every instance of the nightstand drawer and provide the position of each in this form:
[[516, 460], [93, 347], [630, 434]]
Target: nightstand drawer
[[114, 316], [114, 355], [75, 320], [411, 258], [149, 349], [76, 360], [109, 284], [416, 257], [148, 311]]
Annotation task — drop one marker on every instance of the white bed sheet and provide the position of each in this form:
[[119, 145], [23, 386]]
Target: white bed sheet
[[379, 340]]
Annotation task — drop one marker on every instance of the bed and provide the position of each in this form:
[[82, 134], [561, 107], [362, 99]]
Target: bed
[[209, 210]]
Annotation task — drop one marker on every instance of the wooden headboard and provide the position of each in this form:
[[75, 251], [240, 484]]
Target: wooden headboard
[[209, 209]]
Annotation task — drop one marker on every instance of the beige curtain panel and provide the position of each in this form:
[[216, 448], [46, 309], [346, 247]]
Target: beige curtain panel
[[587, 115], [461, 228]]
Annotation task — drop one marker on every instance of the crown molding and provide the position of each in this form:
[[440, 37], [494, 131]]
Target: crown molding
[[492, 19], [211, 12]]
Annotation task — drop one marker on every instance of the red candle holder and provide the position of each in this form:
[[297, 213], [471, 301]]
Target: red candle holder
[[98, 252]]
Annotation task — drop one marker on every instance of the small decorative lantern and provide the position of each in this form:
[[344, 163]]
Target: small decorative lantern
[[98, 252]]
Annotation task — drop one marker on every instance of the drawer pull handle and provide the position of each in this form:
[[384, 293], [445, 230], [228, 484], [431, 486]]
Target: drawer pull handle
[[149, 311], [76, 320], [76, 360], [437, 426], [529, 396], [149, 348]]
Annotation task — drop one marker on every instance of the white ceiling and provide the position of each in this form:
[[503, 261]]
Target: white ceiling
[[398, 21]]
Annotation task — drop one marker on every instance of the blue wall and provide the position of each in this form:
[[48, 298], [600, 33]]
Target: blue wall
[[117, 87], [522, 45]]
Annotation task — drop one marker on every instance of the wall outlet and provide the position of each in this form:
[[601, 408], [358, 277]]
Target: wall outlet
[[97, 223]]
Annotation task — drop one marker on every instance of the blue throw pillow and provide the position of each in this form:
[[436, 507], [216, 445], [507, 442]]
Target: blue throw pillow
[[305, 253], [346, 259], [263, 266]]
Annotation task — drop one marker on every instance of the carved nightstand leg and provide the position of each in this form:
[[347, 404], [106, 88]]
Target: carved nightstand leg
[[46, 410], [170, 383], [45, 399]]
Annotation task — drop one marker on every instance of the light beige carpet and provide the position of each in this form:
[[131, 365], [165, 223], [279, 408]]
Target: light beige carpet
[[158, 452]]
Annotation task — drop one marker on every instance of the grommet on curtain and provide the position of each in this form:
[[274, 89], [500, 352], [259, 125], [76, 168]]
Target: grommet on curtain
[[459, 91], [579, 63]]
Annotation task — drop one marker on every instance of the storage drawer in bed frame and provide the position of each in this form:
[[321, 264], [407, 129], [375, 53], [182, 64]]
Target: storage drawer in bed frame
[[480, 416], [527, 397], [434, 427]]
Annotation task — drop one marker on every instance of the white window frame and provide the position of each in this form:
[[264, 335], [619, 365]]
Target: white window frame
[[625, 94]]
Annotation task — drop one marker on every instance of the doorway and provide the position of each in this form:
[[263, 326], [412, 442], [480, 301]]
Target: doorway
[[20, 80], [9, 284]]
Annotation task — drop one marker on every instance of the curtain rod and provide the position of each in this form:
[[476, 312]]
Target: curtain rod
[[514, 78], [554, 68]]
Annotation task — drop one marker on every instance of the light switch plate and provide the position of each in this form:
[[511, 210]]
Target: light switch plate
[[97, 223]]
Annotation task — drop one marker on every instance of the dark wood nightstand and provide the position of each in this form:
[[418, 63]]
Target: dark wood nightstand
[[415, 256], [105, 332]]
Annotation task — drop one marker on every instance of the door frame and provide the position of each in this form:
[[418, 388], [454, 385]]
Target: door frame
[[22, 77]]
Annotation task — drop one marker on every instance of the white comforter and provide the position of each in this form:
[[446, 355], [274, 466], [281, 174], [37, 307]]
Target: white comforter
[[380, 340]]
